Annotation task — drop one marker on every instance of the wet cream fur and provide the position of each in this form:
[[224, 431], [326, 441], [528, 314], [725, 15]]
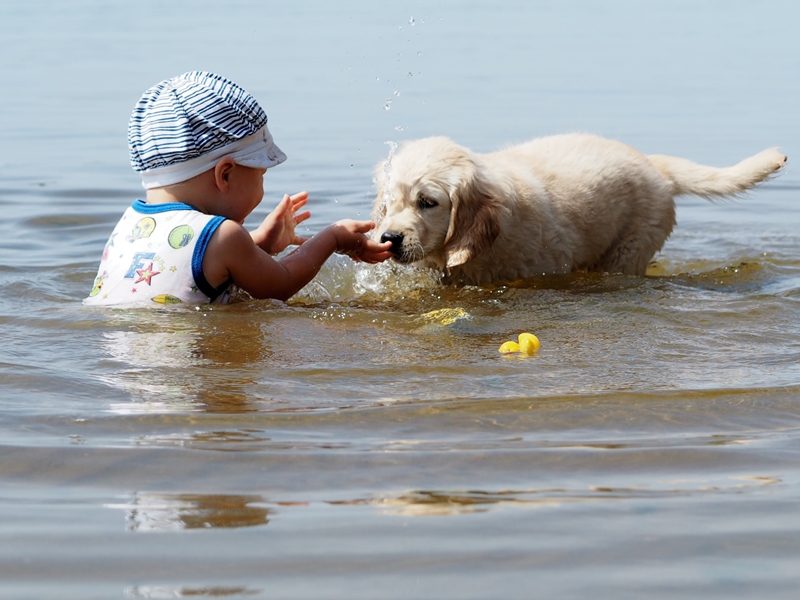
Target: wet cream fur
[[552, 205]]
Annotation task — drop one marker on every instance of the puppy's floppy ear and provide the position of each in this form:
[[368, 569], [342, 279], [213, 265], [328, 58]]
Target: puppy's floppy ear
[[474, 220]]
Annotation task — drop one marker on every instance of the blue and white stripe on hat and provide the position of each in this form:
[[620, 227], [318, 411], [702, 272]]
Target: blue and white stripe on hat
[[196, 115]]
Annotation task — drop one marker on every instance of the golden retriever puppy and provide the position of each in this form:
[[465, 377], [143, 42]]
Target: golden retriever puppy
[[552, 205]]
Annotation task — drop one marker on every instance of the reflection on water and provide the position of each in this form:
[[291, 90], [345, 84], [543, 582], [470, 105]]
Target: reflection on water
[[425, 503], [185, 591], [149, 512], [175, 512], [221, 441], [178, 362]]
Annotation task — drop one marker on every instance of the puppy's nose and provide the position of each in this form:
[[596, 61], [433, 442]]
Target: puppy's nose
[[396, 239]]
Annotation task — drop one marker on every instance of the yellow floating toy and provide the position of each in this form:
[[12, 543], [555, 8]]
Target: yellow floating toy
[[509, 348], [528, 344]]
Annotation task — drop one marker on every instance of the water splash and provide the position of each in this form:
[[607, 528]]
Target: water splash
[[387, 171], [343, 280], [392, 280]]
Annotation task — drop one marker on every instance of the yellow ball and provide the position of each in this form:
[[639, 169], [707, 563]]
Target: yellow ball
[[509, 348], [529, 343]]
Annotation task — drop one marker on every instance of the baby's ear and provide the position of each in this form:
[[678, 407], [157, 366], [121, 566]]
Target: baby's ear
[[222, 172], [474, 222]]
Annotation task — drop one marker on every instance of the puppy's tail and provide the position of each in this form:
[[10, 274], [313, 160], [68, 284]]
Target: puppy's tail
[[687, 177]]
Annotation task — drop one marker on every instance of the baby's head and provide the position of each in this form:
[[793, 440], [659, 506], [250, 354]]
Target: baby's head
[[183, 126]]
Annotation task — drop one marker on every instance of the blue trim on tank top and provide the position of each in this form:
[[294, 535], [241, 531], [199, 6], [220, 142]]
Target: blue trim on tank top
[[143, 207], [197, 260]]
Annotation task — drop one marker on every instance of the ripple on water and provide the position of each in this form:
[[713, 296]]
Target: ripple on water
[[361, 335]]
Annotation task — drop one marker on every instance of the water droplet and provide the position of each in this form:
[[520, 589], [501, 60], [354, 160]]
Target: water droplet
[[399, 128], [377, 79], [409, 74], [396, 93], [419, 53], [388, 104], [351, 165], [411, 21]]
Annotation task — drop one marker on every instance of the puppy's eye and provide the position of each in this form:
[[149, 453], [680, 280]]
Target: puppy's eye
[[425, 202]]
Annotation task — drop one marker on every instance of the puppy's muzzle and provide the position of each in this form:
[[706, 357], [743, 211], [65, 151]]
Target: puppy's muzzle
[[396, 239]]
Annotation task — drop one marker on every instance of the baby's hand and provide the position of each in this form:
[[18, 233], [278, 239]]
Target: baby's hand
[[351, 240], [277, 230]]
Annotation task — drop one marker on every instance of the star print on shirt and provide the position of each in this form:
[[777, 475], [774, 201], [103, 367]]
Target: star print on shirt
[[146, 274]]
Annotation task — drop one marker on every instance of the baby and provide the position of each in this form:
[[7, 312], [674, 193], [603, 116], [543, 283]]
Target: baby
[[202, 146]]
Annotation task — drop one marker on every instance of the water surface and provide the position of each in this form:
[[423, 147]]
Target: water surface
[[367, 439]]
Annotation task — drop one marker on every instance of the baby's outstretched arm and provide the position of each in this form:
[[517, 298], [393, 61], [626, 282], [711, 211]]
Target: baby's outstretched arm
[[277, 230], [232, 253]]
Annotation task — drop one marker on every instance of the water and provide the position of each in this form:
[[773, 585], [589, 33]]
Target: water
[[367, 439]]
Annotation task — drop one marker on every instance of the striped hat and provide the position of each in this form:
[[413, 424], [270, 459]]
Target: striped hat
[[182, 126]]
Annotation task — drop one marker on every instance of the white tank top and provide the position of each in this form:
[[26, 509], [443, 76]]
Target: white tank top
[[155, 257]]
